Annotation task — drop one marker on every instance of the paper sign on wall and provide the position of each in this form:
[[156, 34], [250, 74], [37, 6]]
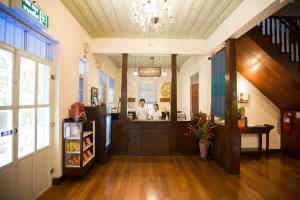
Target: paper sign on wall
[[6, 133]]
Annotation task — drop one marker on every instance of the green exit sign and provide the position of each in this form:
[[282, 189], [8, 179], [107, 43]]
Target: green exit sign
[[36, 12]]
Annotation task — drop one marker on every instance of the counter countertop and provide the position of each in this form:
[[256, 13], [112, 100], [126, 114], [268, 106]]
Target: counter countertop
[[155, 121]]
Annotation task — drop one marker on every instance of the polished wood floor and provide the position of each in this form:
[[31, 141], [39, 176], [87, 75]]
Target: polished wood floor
[[183, 177]]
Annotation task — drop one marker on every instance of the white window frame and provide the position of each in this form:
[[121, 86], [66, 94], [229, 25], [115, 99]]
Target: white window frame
[[37, 60]]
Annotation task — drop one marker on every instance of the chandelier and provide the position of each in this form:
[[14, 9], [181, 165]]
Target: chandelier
[[152, 15]]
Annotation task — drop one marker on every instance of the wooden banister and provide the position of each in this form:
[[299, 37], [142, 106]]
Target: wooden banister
[[284, 31]]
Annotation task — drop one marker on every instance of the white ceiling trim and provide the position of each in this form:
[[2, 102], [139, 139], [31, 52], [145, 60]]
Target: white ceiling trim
[[148, 46]]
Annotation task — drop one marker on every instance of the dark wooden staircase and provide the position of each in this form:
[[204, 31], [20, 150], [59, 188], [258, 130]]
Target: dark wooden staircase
[[269, 57], [285, 33]]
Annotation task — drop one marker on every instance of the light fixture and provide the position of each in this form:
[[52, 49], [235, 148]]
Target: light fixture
[[152, 15], [135, 73], [164, 72]]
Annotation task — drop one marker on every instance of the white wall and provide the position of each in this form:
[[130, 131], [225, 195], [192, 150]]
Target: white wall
[[105, 65], [71, 36], [193, 65], [148, 46], [133, 87], [259, 110]]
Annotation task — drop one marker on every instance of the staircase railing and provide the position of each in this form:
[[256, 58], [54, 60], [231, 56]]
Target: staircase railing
[[284, 31]]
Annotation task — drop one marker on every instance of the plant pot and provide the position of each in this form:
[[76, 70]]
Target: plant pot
[[203, 150], [241, 123]]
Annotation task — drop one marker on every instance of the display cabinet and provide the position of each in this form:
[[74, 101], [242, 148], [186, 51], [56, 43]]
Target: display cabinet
[[102, 120], [78, 146]]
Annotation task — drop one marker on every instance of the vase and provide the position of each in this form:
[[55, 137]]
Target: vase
[[203, 150]]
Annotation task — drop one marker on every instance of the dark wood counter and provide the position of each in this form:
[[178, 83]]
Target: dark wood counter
[[151, 138]]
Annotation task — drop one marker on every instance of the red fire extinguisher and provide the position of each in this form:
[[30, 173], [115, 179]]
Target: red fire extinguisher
[[287, 123]]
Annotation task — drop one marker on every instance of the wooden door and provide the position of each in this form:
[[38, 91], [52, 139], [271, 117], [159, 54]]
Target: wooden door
[[194, 98]]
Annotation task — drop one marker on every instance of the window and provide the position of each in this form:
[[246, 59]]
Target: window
[[6, 111], [34, 107], [148, 91], [111, 90], [102, 87], [82, 67], [17, 35]]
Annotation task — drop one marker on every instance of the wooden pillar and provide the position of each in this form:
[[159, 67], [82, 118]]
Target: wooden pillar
[[124, 87], [174, 87], [231, 107]]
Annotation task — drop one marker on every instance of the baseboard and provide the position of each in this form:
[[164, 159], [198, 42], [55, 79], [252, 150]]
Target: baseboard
[[255, 151], [273, 150], [58, 181]]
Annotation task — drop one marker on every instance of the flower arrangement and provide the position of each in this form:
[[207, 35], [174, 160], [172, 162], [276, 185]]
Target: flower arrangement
[[202, 127]]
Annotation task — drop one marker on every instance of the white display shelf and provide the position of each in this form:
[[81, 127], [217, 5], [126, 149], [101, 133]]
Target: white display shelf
[[88, 146], [72, 152], [87, 133], [77, 137], [73, 166], [90, 158]]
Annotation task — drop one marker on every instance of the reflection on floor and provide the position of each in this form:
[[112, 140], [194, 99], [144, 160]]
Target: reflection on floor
[[183, 177]]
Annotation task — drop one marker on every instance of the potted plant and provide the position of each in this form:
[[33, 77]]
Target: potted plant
[[242, 119], [202, 128]]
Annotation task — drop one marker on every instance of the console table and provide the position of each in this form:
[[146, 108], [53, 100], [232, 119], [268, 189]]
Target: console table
[[260, 130]]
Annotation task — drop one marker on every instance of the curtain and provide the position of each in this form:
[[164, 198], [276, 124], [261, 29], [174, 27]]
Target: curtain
[[218, 84]]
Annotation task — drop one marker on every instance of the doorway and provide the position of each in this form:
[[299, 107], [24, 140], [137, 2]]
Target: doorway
[[25, 115], [194, 94]]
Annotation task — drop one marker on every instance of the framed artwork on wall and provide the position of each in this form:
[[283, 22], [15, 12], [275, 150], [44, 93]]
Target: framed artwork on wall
[[94, 96]]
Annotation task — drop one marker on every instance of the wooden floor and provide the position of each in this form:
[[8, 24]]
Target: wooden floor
[[183, 177]]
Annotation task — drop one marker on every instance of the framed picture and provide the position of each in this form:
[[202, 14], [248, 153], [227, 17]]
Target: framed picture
[[94, 96]]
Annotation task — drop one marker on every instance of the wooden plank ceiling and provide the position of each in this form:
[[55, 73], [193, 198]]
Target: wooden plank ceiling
[[112, 18], [146, 61]]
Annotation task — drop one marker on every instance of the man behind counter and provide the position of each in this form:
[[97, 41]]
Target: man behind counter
[[142, 111]]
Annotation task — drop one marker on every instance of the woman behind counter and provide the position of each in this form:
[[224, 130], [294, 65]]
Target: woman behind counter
[[156, 114]]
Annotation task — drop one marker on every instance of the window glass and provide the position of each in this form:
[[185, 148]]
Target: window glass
[[6, 137], [6, 66], [82, 70], [16, 35], [26, 131], [9, 33], [43, 125], [43, 84], [19, 34], [2, 28], [102, 87], [81, 89], [82, 67], [27, 81], [111, 91], [148, 91]]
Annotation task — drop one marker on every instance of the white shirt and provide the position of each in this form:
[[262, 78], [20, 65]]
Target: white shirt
[[141, 113], [156, 115]]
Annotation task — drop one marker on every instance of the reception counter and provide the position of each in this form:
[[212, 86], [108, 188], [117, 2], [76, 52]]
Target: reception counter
[[151, 138]]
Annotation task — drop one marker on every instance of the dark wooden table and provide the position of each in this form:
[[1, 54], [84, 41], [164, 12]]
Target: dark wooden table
[[260, 130]]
